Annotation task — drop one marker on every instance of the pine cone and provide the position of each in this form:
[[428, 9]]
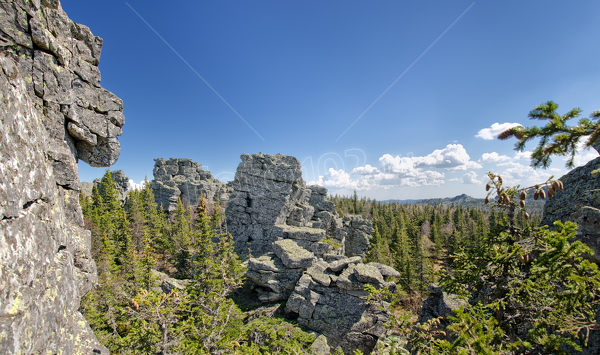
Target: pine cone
[[506, 134]]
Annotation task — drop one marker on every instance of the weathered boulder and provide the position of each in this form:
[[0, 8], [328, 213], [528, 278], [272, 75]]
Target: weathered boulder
[[53, 112], [295, 232], [292, 255], [330, 303], [320, 346], [588, 231], [339, 265], [166, 284], [184, 178], [439, 304], [358, 235], [581, 189], [275, 281], [579, 202], [86, 188], [385, 270]]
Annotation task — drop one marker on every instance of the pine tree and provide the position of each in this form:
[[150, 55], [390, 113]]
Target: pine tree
[[181, 235], [156, 223], [217, 217], [202, 243], [145, 264]]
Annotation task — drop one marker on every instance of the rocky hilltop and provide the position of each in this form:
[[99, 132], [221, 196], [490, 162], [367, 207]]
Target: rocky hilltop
[[305, 254], [184, 178], [53, 113]]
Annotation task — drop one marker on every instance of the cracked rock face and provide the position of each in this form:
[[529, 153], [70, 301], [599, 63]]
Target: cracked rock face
[[329, 302], [305, 254], [53, 112], [268, 192], [184, 178], [579, 202]]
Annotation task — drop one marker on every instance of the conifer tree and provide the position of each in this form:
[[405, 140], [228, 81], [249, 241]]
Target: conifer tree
[[156, 223], [217, 217], [181, 235]]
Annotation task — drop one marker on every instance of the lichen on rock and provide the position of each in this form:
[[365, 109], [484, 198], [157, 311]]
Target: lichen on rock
[[53, 112]]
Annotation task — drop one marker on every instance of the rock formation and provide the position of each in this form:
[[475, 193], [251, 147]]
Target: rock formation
[[579, 202], [175, 178], [305, 254], [271, 201], [329, 298], [439, 304], [53, 112], [118, 176]]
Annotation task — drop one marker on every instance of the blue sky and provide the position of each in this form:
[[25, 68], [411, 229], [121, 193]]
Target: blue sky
[[300, 73]]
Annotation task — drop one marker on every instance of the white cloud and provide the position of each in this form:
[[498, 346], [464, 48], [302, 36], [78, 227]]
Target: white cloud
[[398, 165], [397, 171], [523, 155], [517, 173], [494, 130], [584, 155], [339, 179], [364, 170], [453, 157], [470, 178], [134, 186], [493, 157], [415, 178]]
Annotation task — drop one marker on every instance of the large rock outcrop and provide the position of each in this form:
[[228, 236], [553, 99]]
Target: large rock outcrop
[[271, 201], [329, 298], [53, 112], [268, 196], [184, 178], [304, 253], [579, 202]]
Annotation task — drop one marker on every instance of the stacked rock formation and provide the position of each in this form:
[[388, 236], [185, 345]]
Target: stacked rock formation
[[269, 199], [184, 178], [304, 253], [329, 298], [53, 112]]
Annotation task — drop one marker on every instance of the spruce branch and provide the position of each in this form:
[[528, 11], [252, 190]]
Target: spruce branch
[[556, 138]]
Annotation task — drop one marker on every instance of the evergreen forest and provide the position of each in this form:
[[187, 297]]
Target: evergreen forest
[[524, 289]]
